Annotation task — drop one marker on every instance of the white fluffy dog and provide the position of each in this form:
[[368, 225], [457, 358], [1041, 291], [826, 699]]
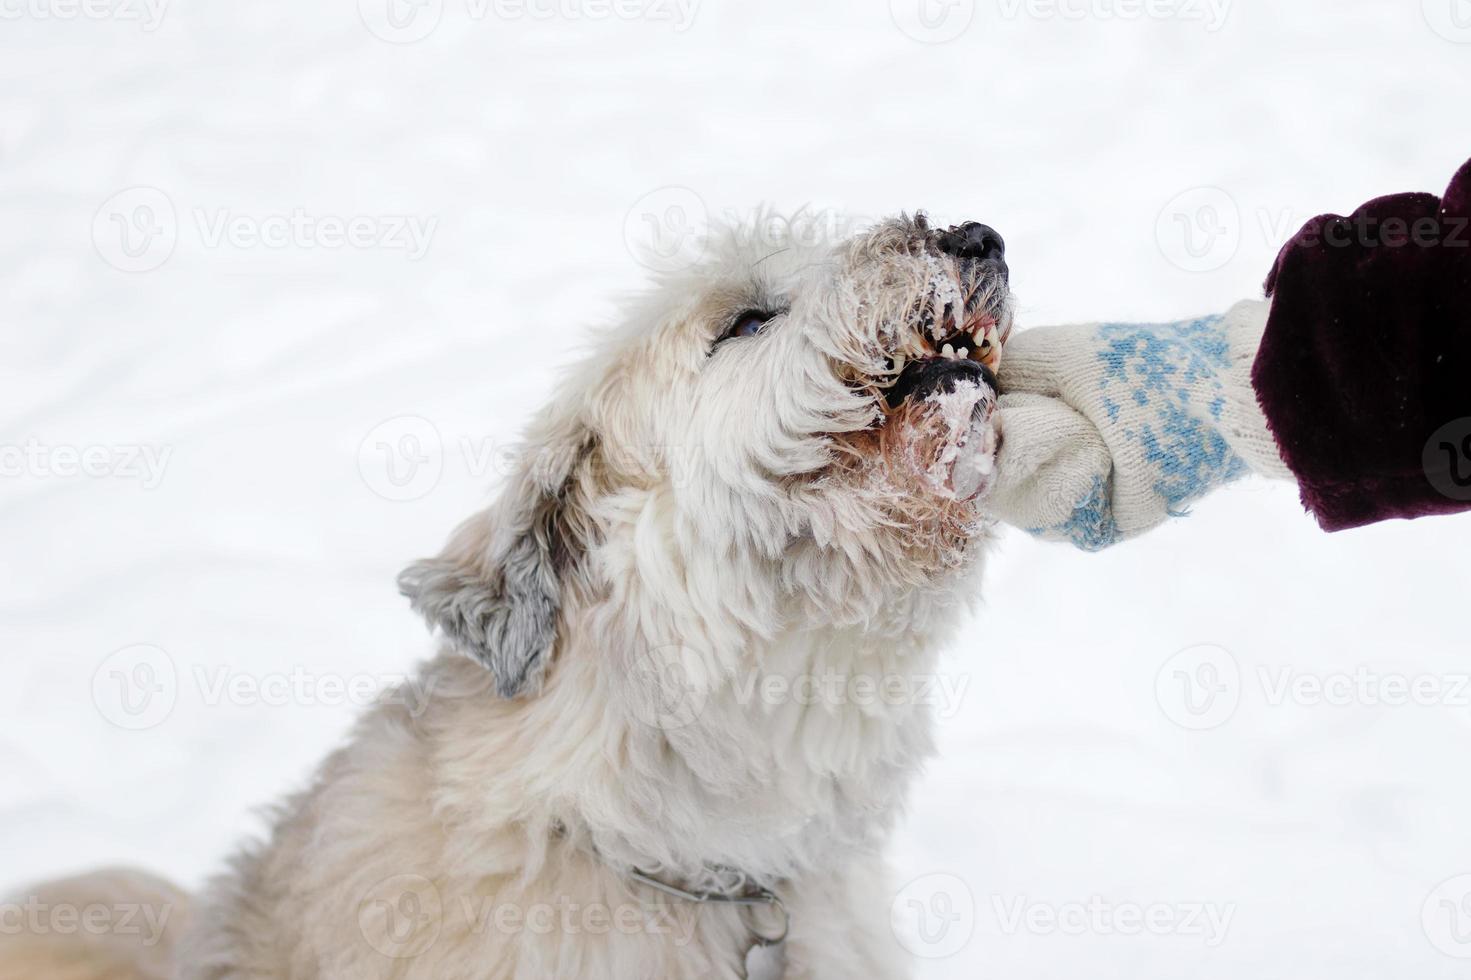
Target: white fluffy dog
[[681, 654]]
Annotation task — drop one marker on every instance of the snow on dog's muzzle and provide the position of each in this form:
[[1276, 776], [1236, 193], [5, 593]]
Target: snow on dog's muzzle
[[943, 430]]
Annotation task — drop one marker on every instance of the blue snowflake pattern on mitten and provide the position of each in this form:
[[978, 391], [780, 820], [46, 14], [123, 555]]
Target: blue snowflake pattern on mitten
[[1162, 388], [1168, 378]]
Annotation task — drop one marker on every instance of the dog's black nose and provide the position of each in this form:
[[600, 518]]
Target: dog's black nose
[[974, 240]]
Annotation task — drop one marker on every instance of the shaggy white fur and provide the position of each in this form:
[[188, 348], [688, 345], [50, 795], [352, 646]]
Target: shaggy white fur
[[691, 638]]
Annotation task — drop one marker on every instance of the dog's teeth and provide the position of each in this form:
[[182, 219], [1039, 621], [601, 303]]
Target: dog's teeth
[[898, 363], [948, 350], [963, 353]]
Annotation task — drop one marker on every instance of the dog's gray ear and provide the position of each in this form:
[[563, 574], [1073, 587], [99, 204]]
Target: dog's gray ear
[[496, 590]]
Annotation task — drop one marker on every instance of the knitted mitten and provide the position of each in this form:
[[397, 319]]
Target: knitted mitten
[[1108, 429]]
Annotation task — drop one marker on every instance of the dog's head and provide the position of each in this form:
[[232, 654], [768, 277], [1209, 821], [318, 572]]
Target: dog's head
[[791, 433]]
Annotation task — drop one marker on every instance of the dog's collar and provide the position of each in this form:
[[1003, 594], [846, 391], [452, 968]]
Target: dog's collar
[[766, 956]]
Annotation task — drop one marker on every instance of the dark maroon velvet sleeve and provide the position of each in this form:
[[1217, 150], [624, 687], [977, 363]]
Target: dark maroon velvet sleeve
[[1364, 372]]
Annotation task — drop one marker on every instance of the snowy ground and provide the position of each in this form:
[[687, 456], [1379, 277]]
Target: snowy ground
[[516, 153]]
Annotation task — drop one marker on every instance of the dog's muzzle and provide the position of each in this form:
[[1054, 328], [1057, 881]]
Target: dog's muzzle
[[965, 343]]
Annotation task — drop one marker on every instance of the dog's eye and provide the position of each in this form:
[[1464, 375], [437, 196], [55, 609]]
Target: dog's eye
[[748, 324]]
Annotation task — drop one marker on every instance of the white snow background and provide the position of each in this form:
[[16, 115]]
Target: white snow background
[[536, 144]]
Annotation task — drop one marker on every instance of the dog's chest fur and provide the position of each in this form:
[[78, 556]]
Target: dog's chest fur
[[477, 811]]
